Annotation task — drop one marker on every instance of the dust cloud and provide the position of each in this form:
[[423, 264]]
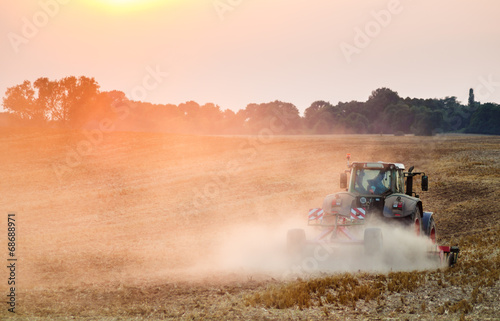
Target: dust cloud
[[253, 250], [227, 252]]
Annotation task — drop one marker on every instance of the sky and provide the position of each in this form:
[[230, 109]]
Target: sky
[[236, 52]]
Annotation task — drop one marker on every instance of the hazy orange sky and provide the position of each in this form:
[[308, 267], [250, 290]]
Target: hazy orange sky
[[236, 52]]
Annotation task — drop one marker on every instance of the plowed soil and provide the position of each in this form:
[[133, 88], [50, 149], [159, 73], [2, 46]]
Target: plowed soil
[[137, 226]]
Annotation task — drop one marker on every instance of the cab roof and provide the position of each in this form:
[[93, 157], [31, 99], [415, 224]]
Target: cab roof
[[377, 165]]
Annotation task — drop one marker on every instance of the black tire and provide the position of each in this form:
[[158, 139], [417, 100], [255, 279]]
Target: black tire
[[452, 259], [373, 240], [414, 221], [430, 230], [295, 242]]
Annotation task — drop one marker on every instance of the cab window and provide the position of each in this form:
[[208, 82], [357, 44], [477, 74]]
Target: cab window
[[372, 181], [399, 180]]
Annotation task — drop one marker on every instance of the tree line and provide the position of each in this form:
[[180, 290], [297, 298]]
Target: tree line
[[78, 103]]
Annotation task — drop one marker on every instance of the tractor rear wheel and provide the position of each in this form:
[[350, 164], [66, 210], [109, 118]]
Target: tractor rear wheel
[[430, 230], [295, 242], [373, 240], [415, 221]]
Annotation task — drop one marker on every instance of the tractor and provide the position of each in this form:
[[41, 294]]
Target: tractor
[[377, 192]]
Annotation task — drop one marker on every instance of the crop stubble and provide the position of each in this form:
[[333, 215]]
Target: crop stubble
[[137, 227]]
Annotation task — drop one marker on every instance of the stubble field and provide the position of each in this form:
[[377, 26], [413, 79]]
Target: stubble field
[[130, 226]]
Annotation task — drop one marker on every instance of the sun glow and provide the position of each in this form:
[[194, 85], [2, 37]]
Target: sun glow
[[129, 5]]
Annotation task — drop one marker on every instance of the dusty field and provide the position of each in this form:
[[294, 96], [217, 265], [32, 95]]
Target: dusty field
[[155, 226]]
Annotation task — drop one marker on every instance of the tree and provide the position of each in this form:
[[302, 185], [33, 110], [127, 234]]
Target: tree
[[398, 118], [190, 109], [455, 116], [21, 101], [209, 118], [317, 112], [381, 98], [69, 100], [376, 104], [49, 99], [277, 116], [116, 96], [324, 124], [471, 98], [486, 120], [427, 122], [357, 123], [79, 97]]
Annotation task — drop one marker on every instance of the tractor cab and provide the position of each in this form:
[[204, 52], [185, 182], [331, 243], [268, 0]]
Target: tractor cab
[[380, 179]]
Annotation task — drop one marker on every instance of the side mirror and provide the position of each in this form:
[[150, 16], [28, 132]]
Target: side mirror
[[343, 180], [425, 183]]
